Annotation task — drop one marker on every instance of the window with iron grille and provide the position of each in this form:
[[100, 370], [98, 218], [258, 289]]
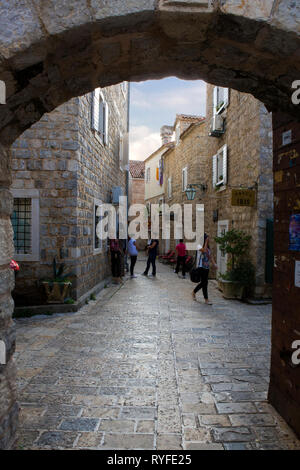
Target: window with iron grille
[[22, 224], [25, 220]]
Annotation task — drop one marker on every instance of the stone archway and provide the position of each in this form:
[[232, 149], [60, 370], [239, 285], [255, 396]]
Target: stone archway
[[51, 51]]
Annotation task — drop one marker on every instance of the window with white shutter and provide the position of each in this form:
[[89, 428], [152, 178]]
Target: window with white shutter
[[220, 99], [220, 167], [121, 151], [184, 179], [100, 115], [169, 188], [225, 171], [215, 170], [95, 109]]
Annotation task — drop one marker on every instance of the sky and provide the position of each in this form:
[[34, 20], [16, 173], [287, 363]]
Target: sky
[[155, 103]]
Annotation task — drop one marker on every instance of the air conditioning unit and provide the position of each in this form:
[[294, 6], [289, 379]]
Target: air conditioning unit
[[217, 126], [117, 191]]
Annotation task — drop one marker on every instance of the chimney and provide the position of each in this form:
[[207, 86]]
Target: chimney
[[166, 134]]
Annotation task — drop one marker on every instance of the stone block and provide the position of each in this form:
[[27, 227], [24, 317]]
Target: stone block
[[6, 241], [239, 434], [6, 202], [102, 9], [254, 9], [7, 281]]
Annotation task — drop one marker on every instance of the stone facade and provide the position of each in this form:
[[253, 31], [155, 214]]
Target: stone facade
[[137, 191], [154, 186], [188, 153], [136, 182], [53, 51], [248, 137], [248, 141], [63, 162]]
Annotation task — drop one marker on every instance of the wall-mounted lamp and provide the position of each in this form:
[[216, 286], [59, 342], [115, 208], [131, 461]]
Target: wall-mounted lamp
[[191, 191]]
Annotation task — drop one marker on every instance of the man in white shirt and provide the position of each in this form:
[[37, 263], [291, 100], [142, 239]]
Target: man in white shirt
[[133, 253]]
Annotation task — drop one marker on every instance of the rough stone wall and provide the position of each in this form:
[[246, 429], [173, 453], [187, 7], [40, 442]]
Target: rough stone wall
[[61, 157], [137, 191], [248, 136], [98, 171], [45, 158], [53, 51], [8, 405], [190, 153]]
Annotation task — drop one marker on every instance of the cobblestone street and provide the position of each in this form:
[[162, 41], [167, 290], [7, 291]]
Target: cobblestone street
[[146, 367]]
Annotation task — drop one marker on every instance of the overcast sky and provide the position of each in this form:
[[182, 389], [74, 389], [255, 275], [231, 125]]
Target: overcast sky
[[155, 103]]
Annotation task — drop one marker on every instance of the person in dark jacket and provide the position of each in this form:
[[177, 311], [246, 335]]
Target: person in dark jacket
[[115, 256], [152, 250]]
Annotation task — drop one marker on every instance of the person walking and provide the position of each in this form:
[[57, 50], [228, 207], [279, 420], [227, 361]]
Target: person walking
[[204, 256], [133, 253], [115, 256], [181, 257], [152, 249]]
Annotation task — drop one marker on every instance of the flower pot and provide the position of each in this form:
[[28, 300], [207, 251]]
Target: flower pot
[[232, 289], [56, 291]]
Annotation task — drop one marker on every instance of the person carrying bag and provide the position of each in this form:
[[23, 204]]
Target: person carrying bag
[[203, 264], [195, 272]]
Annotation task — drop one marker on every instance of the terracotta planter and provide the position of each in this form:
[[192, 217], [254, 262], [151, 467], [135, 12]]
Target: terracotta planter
[[56, 291], [231, 290]]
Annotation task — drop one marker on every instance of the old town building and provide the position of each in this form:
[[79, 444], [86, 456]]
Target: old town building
[[183, 163], [49, 55], [137, 191], [155, 174], [239, 158], [136, 182], [64, 168], [227, 152]]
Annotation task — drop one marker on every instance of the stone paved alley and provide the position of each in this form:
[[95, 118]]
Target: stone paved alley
[[146, 367]]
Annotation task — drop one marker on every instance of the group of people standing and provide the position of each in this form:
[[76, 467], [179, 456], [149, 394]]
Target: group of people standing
[[202, 261], [117, 252]]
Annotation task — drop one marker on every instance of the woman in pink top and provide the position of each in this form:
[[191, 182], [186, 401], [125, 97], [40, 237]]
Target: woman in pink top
[[181, 258]]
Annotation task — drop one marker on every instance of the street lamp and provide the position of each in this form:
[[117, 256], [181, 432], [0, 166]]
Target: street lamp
[[191, 191]]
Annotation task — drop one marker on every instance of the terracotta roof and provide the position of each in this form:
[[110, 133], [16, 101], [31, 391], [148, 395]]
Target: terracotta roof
[[189, 117], [137, 168]]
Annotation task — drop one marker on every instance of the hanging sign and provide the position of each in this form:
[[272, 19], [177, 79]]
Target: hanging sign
[[243, 197], [294, 232], [297, 273]]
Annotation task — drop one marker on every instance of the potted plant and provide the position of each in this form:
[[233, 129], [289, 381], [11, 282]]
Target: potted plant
[[57, 288], [239, 279]]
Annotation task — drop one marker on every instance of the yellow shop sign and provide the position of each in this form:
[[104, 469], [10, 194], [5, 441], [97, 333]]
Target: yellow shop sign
[[243, 197]]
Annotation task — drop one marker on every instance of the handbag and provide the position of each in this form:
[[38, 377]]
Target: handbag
[[195, 273]]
